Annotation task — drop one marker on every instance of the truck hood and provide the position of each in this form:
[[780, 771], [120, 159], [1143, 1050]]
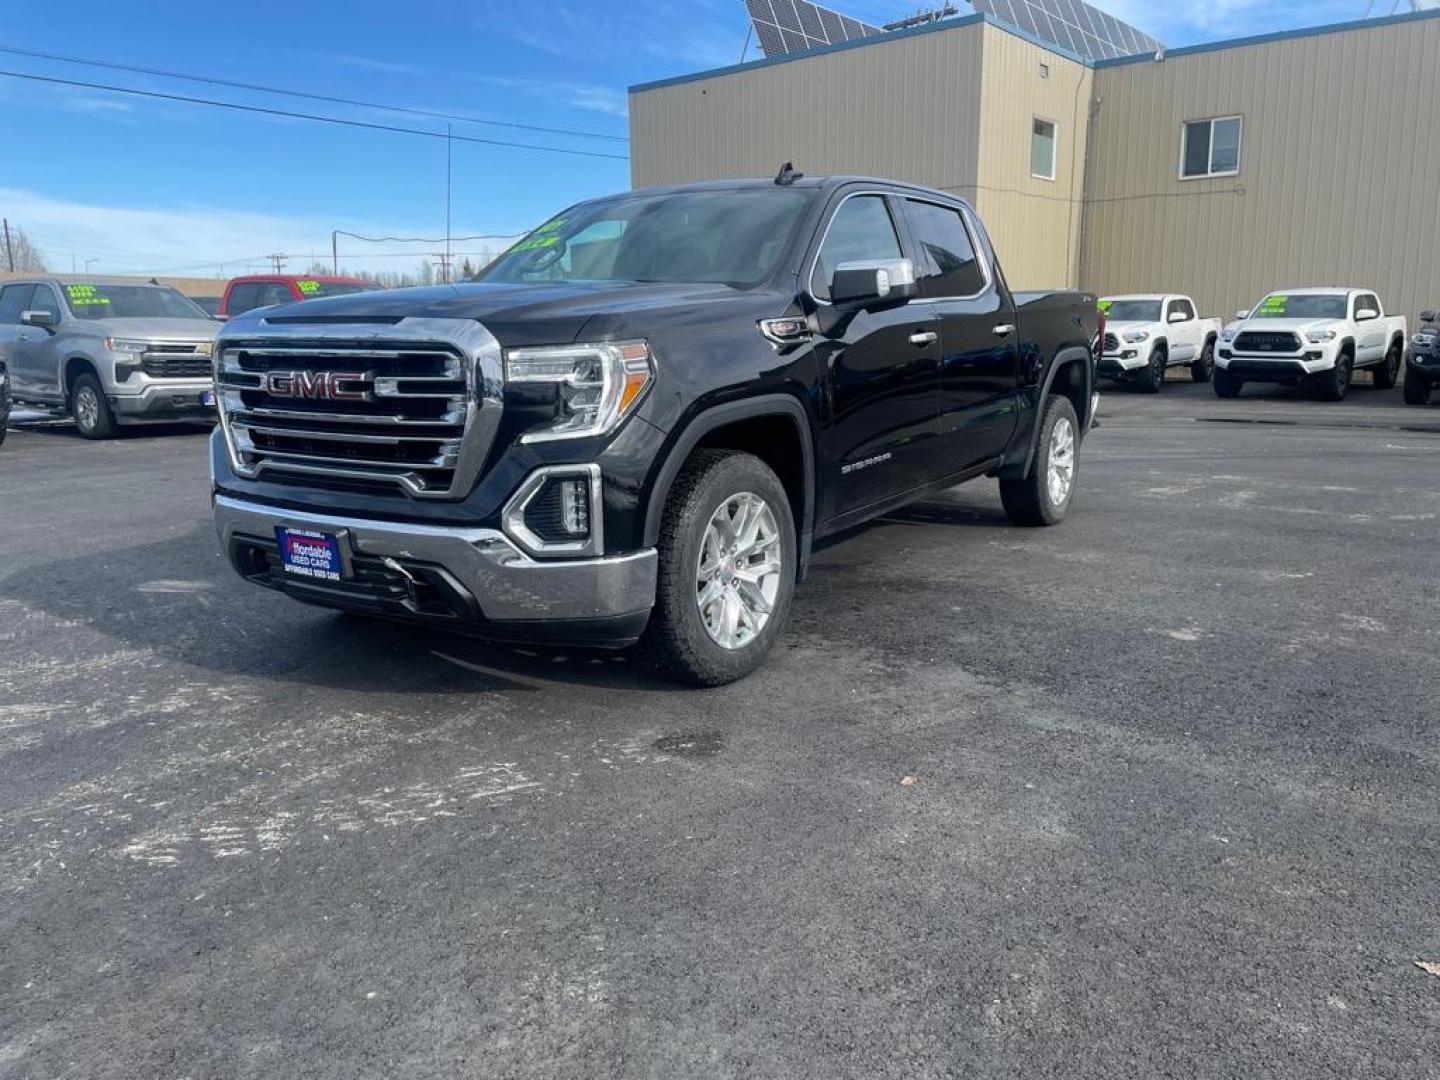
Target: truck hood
[[1298, 326], [541, 313], [1122, 325], [154, 328]]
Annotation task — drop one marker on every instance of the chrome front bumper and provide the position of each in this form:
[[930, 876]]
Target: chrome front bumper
[[164, 399], [507, 585]]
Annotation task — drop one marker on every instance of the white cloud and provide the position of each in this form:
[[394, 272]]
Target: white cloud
[[205, 241]]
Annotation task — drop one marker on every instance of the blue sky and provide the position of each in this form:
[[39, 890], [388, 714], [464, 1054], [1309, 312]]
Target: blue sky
[[129, 184]]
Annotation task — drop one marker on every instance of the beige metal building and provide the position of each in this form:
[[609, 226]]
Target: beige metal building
[[1219, 170]]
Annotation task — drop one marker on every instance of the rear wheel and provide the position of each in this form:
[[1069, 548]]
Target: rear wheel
[[1334, 384], [726, 572], [1417, 389], [1153, 377], [1203, 369], [1388, 370], [1043, 497], [90, 410], [1227, 385]]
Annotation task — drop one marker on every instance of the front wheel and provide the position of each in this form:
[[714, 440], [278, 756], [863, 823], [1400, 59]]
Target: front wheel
[[1043, 497], [1389, 369], [1153, 377], [1417, 389], [1203, 369], [1334, 384], [726, 573], [1227, 385], [90, 410]]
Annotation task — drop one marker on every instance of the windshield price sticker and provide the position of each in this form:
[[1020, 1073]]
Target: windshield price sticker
[[1274, 305], [85, 294], [1104, 305], [545, 236], [309, 288]]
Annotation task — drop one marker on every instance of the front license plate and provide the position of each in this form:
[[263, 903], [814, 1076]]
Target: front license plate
[[207, 397], [307, 553]]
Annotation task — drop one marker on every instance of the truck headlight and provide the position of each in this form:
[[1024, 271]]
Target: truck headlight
[[1319, 337], [1423, 339], [1133, 336], [125, 345], [1227, 335], [596, 386]]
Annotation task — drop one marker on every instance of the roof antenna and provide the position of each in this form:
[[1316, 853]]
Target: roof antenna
[[787, 175]]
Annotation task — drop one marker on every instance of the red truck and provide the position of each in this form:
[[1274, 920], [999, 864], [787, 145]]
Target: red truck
[[262, 290]]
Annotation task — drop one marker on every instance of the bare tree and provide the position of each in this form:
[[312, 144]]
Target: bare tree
[[25, 255]]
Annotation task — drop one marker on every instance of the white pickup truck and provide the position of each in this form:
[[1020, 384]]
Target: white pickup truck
[[1311, 336], [1145, 334]]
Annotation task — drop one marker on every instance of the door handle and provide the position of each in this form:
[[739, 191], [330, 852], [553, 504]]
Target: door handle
[[1004, 329], [924, 337]]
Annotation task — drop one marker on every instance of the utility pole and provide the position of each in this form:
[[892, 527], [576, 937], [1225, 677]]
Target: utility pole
[[9, 251], [278, 261], [334, 253], [446, 264]]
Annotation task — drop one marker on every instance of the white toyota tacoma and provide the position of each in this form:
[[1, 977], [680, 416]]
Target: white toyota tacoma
[[1317, 337], [1147, 333]]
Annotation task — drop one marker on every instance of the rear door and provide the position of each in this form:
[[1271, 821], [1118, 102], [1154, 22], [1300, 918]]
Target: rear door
[[980, 351], [881, 366]]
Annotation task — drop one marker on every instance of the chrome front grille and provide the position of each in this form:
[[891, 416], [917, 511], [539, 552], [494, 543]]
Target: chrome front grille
[[175, 360], [1267, 341], [416, 414]]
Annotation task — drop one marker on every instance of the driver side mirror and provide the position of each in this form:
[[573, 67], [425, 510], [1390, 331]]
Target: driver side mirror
[[1366, 314], [1427, 316], [873, 283], [1242, 314], [1179, 316], [43, 319]]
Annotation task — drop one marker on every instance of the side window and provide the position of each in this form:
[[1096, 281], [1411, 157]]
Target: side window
[[44, 300], [1188, 308], [13, 300], [243, 297], [860, 230], [276, 293], [1372, 302], [954, 269], [1179, 306]]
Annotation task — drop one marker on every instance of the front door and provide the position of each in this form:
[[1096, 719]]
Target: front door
[[1371, 346], [1184, 334], [882, 367], [35, 346], [24, 374], [980, 368]]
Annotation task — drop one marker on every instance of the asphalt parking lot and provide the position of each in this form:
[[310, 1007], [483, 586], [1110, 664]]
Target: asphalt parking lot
[[1174, 809]]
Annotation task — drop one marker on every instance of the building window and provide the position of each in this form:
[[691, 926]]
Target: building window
[[1042, 149], [1210, 147]]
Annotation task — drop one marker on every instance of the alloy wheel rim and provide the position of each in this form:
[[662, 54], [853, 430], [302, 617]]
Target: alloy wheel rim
[[1060, 469], [88, 408], [737, 572]]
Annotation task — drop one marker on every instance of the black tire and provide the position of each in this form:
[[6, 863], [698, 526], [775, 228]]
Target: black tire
[[676, 643], [1226, 385], [4, 424], [1029, 501], [1334, 384], [1417, 389], [1388, 370], [1153, 376], [1203, 369], [90, 410]]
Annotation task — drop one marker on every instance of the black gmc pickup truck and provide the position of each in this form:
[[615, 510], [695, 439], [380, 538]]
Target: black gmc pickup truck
[[633, 425]]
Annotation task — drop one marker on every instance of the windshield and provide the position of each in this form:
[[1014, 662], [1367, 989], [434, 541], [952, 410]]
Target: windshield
[[734, 237], [1305, 306], [129, 302], [311, 289], [1131, 310]]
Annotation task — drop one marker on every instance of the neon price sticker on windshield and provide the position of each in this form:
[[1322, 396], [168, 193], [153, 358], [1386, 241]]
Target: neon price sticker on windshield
[[1274, 305], [309, 288], [85, 294], [536, 242], [1104, 305]]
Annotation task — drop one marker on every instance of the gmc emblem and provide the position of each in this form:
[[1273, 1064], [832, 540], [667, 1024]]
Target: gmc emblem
[[318, 385]]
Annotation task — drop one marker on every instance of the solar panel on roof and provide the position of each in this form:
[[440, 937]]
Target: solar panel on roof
[[1073, 25], [786, 26]]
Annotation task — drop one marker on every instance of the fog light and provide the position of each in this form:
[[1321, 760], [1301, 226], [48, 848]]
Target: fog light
[[575, 507]]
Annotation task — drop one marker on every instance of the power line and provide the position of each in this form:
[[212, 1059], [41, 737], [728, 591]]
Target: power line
[[433, 114], [425, 239], [307, 116]]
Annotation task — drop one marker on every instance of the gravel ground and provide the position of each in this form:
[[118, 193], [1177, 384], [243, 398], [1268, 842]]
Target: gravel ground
[[1174, 810]]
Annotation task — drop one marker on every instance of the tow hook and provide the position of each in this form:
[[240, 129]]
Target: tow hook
[[391, 564]]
